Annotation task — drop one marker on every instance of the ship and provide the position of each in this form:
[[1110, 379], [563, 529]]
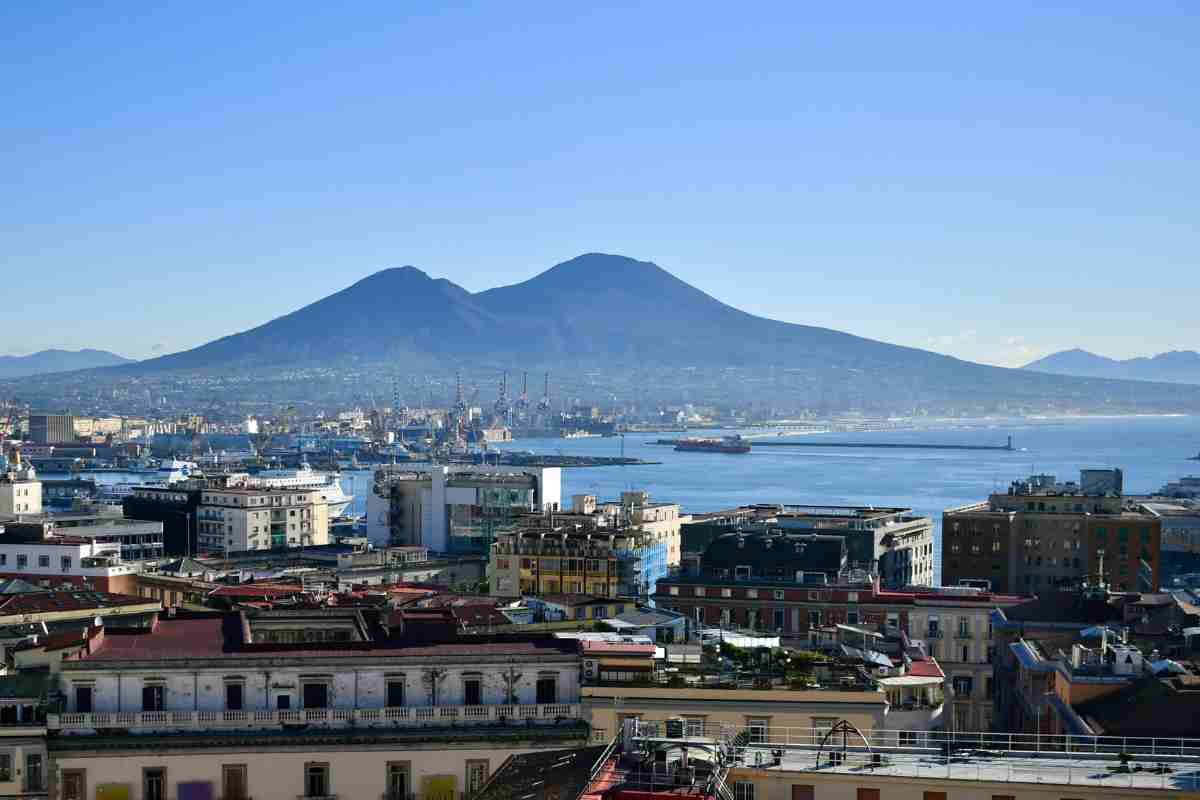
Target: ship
[[305, 477], [726, 444]]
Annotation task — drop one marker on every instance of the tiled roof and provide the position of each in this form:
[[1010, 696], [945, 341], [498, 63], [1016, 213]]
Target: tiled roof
[[257, 590], [220, 636], [926, 669], [49, 602]]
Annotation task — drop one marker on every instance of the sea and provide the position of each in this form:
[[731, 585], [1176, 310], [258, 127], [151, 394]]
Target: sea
[[1151, 450]]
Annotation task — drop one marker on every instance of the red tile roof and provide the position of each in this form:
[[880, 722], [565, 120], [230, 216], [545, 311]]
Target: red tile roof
[[49, 602], [926, 669], [257, 590]]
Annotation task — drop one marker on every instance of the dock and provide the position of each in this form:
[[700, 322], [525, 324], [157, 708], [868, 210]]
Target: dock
[[1007, 446]]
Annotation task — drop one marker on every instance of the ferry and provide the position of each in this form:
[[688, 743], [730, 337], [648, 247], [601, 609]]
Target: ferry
[[305, 477], [726, 444]]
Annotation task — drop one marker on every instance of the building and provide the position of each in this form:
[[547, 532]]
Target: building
[[84, 551], [20, 489], [456, 509], [1060, 651], [797, 601], [238, 517], [175, 507], [1043, 534], [595, 550], [309, 704], [1180, 520], [51, 428], [24, 762], [891, 541]]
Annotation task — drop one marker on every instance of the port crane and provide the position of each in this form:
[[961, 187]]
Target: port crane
[[544, 403]]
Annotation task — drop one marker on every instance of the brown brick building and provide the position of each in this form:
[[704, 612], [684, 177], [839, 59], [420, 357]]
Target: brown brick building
[[1043, 534]]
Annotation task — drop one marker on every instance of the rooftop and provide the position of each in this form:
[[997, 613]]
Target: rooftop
[[52, 601], [546, 775]]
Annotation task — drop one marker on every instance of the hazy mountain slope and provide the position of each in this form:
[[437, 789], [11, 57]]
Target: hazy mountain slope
[[1177, 366], [55, 360]]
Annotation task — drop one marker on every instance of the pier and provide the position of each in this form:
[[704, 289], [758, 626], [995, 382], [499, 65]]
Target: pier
[[1007, 446]]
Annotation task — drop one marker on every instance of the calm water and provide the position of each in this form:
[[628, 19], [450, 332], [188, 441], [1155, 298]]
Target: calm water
[[1150, 450]]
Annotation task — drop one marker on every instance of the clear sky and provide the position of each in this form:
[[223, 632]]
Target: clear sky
[[994, 181]]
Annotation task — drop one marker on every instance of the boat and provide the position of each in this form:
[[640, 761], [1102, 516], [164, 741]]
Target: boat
[[305, 477], [172, 470], [1194, 458], [726, 444], [578, 434]]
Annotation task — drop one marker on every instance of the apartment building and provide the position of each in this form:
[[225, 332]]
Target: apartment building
[[305, 704], [456, 509], [1043, 534], [237, 518], [51, 428], [601, 550], [894, 542]]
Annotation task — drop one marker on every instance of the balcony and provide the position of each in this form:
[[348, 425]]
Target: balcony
[[330, 718]]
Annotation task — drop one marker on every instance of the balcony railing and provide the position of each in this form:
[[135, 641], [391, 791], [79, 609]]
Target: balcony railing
[[389, 717]]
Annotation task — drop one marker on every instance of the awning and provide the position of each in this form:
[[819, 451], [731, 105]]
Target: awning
[[636, 663]]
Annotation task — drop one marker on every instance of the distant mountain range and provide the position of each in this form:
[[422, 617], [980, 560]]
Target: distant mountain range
[[45, 361], [1177, 366], [619, 316]]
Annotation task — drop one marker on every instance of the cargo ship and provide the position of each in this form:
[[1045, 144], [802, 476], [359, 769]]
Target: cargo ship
[[726, 444]]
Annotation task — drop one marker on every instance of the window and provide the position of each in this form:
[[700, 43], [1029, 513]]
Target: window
[[22, 561], [934, 630], [963, 685], [472, 691], [547, 688], [852, 616], [83, 699], [316, 780], [283, 702], [867, 794], [233, 696], [777, 594], [74, 784], [477, 775], [395, 692], [233, 782], [694, 726], [316, 695], [964, 628], [5, 767], [44, 562], [397, 780], [752, 594], [814, 619], [780, 619], [674, 591], [934, 795], [743, 790], [152, 697], [803, 792], [154, 783], [758, 728], [35, 775], [66, 563]]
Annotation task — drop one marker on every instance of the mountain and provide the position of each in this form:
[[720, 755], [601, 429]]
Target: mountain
[[45, 361], [632, 321], [1176, 366]]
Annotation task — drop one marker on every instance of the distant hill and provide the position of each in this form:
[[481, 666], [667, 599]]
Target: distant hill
[[45, 361], [607, 312], [1176, 366]]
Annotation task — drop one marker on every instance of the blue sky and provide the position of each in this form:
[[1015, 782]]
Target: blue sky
[[994, 182]]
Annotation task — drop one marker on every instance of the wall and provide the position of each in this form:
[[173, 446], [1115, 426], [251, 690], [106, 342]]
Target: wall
[[277, 773]]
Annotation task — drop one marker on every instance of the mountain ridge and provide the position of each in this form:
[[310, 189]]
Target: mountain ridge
[[55, 359], [607, 312], [1172, 366]]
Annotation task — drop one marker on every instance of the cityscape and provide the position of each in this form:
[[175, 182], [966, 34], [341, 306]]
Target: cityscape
[[600, 402]]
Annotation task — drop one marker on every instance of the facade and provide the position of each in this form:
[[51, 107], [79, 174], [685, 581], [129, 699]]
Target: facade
[[951, 624], [51, 428], [1043, 534], [175, 507], [304, 704], [1180, 522], [893, 542], [237, 518], [456, 509], [594, 551]]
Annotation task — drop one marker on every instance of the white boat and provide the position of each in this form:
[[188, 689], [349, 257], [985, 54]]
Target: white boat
[[305, 477], [172, 470]]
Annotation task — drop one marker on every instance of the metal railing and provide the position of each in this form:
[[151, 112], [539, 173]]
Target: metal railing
[[386, 717]]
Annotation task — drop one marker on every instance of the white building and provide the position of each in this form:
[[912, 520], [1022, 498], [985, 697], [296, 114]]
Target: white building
[[20, 489], [455, 508], [306, 704]]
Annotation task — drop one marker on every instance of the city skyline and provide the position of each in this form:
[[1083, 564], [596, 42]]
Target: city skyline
[[996, 189]]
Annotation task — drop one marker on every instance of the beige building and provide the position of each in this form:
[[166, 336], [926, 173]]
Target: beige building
[[237, 518], [764, 714]]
